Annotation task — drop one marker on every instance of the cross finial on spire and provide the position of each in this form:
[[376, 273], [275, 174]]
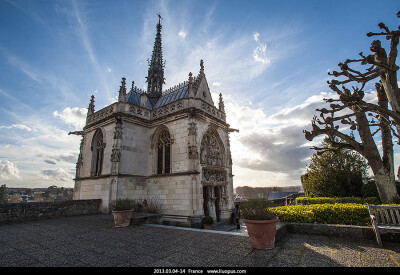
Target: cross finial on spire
[[159, 18]]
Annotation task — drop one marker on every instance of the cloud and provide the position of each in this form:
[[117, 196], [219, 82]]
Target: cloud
[[260, 52], [182, 34], [17, 126], [71, 158], [73, 116], [275, 150], [79, 19], [57, 174], [301, 114], [270, 146], [50, 161], [53, 159], [8, 170]]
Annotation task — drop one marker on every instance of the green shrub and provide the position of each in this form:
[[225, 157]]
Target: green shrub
[[154, 206], [337, 213], [122, 204], [257, 209], [370, 190], [207, 220], [323, 200], [372, 200]]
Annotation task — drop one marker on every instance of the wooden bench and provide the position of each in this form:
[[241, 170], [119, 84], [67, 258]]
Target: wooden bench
[[384, 219]]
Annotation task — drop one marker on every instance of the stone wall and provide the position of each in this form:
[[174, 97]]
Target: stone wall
[[20, 212]]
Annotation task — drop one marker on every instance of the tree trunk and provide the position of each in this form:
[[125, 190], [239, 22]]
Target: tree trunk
[[386, 186], [385, 178], [382, 168]]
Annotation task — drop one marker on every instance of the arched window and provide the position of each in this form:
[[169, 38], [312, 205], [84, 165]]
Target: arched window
[[164, 152], [97, 153]]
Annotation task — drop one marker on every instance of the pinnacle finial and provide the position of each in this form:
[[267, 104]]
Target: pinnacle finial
[[91, 106], [201, 66], [221, 103], [190, 77], [190, 85], [122, 91]]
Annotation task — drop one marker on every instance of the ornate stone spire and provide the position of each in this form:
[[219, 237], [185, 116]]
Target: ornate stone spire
[[155, 77]]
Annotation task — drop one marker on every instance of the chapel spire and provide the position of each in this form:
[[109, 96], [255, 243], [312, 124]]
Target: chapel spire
[[155, 77]]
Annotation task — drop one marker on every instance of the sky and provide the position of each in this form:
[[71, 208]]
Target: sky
[[269, 59]]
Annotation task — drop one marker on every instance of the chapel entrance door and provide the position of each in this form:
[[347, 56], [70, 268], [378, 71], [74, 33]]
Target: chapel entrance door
[[217, 203], [206, 200], [212, 202]]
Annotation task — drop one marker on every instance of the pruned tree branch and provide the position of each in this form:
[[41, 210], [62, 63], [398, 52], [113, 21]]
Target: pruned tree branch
[[381, 66]]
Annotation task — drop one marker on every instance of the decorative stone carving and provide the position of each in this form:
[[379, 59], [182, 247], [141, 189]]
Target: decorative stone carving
[[103, 113], [192, 129], [193, 154], [118, 128], [115, 155], [210, 150], [214, 175], [79, 163]]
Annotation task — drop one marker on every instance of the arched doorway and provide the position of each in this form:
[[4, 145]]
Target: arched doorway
[[214, 175]]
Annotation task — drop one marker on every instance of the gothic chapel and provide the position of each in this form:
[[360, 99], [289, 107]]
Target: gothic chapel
[[171, 146]]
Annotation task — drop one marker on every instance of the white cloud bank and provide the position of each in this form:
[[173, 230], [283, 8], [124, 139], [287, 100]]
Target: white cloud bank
[[270, 150], [56, 174], [72, 116], [17, 126], [8, 170]]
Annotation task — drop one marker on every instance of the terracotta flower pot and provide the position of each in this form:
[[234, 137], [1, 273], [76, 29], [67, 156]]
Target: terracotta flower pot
[[261, 233], [208, 226], [122, 218]]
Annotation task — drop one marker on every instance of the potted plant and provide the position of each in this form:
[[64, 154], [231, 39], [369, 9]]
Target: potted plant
[[207, 222], [122, 210], [260, 223]]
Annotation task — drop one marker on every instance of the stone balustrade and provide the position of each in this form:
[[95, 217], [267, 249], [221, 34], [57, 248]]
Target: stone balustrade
[[20, 212]]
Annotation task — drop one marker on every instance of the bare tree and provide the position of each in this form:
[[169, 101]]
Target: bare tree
[[351, 110]]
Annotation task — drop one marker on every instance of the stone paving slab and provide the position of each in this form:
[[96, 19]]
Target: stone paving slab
[[92, 240]]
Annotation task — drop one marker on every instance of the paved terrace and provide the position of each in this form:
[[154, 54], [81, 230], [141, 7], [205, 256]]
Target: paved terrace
[[92, 240]]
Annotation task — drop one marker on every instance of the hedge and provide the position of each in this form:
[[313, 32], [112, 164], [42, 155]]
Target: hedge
[[337, 213], [322, 200]]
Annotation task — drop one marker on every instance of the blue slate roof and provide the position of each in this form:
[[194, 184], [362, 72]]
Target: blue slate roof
[[134, 98]]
